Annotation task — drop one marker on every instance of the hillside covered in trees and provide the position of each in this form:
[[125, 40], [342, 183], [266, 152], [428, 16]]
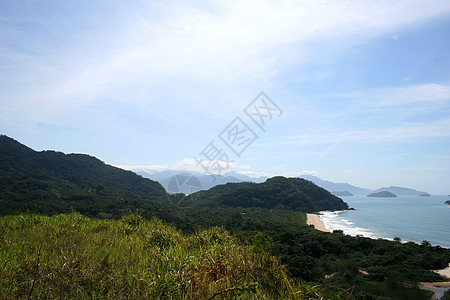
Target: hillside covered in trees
[[275, 193], [53, 182]]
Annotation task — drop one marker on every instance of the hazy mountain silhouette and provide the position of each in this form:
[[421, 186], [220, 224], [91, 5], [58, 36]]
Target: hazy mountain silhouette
[[397, 190], [332, 186]]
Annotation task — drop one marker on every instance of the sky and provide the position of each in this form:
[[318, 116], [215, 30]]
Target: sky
[[353, 91]]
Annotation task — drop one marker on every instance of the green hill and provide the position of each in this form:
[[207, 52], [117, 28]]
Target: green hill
[[275, 193], [53, 182]]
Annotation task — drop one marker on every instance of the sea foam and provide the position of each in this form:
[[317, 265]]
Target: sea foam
[[333, 221]]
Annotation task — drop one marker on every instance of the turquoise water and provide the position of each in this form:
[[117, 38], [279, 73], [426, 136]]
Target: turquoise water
[[411, 218]]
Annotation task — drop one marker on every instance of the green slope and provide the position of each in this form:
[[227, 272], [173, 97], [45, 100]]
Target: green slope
[[277, 192], [54, 182]]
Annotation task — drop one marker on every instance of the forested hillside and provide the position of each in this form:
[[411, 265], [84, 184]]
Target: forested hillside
[[277, 192], [53, 182]]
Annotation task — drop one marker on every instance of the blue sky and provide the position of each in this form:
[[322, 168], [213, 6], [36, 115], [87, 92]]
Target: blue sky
[[364, 86]]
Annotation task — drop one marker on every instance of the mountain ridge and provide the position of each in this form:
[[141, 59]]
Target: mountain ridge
[[169, 179], [210, 181], [333, 186], [275, 193], [55, 182]]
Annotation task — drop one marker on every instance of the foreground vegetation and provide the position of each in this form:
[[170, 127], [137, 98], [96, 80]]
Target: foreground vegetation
[[71, 256]]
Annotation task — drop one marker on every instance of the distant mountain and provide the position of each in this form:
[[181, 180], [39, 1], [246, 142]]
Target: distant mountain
[[54, 182], [243, 177], [193, 183], [332, 186], [187, 182], [425, 195], [160, 176], [382, 194], [400, 190], [342, 193], [277, 192]]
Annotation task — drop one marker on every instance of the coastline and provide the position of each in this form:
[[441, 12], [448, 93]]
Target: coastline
[[314, 219], [365, 221]]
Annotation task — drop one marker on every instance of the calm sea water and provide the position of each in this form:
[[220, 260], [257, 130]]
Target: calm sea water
[[411, 218]]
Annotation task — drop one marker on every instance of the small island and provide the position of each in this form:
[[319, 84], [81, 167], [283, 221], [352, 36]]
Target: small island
[[342, 193], [425, 195], [382, 194]]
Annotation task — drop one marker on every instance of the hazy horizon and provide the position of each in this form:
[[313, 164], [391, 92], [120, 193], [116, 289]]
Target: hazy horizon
[[355, 92]]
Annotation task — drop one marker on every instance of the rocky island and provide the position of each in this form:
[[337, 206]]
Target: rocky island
[[382, 194], [425, 195]]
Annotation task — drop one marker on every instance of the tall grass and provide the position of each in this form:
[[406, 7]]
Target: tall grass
[[70, 256]]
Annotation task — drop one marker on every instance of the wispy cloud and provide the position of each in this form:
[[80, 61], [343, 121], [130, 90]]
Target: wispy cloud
[[223, 43], [351, 172], [300, 173], [188, 164], [424, 94], [409, 133]]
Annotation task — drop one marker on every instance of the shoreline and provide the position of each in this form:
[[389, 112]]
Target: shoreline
[[444, 272], [438, 288], [314, 219]]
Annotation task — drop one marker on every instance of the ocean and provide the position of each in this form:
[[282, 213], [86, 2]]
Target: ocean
[[411, 218]]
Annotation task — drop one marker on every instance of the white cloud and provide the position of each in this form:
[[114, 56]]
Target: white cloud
[[350, 172], [427, 95], [226, 44], [406, 133], [383, 115], [422, 93], [244, 167], [300, 173], [255, 174], [427, 169], [187, 164]]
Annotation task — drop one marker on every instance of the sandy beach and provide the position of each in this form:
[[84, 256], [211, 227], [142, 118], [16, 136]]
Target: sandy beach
[[439, 288], [445, 272], [313, 219]]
